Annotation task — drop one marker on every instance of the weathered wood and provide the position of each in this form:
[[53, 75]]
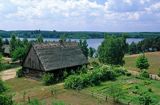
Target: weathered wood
[[54, 56]]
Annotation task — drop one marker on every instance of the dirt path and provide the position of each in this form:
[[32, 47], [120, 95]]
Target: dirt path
[[8, 74]]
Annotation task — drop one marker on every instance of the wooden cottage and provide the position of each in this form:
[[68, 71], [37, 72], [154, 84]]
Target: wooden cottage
[[6, 50], [52, 57]]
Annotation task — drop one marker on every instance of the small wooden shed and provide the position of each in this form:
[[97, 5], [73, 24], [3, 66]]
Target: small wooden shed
[[6, 50], [51, 57]]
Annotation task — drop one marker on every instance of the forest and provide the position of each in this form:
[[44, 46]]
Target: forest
[[74, 34]]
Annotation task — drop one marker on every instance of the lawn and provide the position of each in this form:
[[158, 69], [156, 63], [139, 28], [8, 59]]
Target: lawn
[[154, 61], [35, 89]]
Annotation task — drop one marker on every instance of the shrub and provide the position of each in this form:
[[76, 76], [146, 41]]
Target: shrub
[[145, 98], [144, 74], [120, 71], [74, 82], [95, 63], [2, 87], [65, 74], [48, 79], [19, 73], [108, 75], [6, 100], [91, 78], [105, 67], [159, 72], [128, 74], [150, 90], [142, 62]]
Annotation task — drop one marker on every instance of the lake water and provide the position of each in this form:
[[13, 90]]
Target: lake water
[[91, 42]]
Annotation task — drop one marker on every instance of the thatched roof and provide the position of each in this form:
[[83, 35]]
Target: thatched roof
[[59, 55], [6, 49]]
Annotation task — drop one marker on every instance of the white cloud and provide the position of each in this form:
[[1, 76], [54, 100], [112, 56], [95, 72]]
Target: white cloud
[[74, 12], [134, 16], [144, 1], [128, 2], [154, 7]]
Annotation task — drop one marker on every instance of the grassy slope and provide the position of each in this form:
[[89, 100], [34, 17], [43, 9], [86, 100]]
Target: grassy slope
[[153, 57], [128, 85], [34, 89]]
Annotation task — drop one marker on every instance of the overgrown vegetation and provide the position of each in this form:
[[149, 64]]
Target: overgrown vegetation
[[48, 79], [4, 98], [19, 73], [94, 77]]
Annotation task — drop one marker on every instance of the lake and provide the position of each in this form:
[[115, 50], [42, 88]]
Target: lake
[[91, 42]]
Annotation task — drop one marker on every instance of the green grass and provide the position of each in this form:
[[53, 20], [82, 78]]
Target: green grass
[[6, 66], [154, 61], [128, 84], [35, 89], [20, 84]]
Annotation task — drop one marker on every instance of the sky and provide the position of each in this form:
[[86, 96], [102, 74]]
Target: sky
[[81, 15]]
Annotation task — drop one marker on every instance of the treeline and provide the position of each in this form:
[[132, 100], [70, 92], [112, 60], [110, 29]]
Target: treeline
[[147, 45], [74, 35]]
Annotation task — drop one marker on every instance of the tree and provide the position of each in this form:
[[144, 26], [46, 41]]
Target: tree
[[133, 48], [91, 51], [1, 44], [19, 53], [142, 62], [84, 47], [13, 42], [1, 59], [39, 39], [112, 50], [63, 37], [6, 41]]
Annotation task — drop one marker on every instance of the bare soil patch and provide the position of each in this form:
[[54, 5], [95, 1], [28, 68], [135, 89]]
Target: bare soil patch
[[8, 74]]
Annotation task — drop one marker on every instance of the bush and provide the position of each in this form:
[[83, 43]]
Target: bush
[[159, 72], [120, 71], [95, 63], [142, 62], [19, 73], [2, 87], [48, 79], [5, 100], [108, 75], [128, 74], [74, 82], [144, 74], [91, 78]]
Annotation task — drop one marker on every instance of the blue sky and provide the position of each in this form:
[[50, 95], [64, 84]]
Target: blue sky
[[80, 15]]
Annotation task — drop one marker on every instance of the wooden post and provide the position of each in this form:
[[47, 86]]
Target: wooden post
[[29, 99], [106, 99]]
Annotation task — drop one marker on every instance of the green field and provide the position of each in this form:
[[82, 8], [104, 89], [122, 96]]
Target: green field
[[89, 96], [154, 61], [35, 89], [128, 84]]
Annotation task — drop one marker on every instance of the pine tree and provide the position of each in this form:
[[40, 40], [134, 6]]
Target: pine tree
[[142, 62], [84, 47]]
